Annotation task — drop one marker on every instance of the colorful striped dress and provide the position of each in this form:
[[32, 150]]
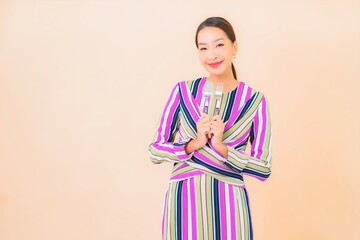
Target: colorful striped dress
[[206, 196]]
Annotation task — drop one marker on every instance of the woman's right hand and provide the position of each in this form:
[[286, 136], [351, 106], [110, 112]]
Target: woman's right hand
[[203, 128]]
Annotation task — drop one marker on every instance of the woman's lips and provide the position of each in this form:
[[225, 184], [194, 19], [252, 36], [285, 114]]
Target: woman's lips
[[215, 64]]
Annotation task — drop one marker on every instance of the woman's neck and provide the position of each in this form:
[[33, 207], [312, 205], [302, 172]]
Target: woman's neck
[[228, 81]]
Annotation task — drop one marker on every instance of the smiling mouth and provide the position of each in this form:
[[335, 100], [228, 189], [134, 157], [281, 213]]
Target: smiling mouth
[[215, 65]]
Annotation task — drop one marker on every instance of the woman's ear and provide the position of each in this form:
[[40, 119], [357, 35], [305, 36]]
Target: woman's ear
[[235, 46]]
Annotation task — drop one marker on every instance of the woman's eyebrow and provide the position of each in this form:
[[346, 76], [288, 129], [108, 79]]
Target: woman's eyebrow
[[213, 41]]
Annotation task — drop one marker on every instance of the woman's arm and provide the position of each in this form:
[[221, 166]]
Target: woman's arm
[[258, 163], [162, 147]]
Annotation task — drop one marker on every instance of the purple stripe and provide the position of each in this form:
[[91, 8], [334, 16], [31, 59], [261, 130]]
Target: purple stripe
[[236, 112], [242, 138], [180, 166], [213, 148], [256, 127], [168, 148], [195, 113], [232, 213], [163, 217], [170, 117], [263, 129], [186, 175], [193, 209], [208, 161], [222, 210], [200, 88], [184, 209], [255, 176]]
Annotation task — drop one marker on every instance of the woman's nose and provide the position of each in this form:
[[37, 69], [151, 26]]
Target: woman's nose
[[212, 56]]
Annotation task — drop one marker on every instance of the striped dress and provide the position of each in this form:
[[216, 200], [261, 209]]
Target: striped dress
[[206, 196]]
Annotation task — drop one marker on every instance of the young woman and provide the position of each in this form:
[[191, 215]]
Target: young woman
[[206, 196]]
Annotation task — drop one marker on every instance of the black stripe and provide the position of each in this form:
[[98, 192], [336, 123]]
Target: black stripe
[[248, 208], [252, 135], [229, 106], [263, 175], [186, 112], [241, 145], [195, 87], [173, 127], [178, 210], [247, 106], [217, 170], [216, 209]]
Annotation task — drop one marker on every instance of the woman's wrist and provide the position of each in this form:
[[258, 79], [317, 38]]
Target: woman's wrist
[[222, 148], [192, 145]]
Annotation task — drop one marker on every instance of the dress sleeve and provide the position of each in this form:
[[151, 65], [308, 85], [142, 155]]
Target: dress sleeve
[[163, 148], [258, 163]]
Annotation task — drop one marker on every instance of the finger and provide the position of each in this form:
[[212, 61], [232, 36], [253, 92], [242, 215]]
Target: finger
[[215, 118]]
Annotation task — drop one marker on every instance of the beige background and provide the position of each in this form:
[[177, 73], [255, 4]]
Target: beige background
[[83, 84]]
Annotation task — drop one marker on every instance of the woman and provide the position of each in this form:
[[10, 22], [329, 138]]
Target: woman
[[206, 196]]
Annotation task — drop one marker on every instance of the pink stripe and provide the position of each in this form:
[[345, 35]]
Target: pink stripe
[[255, 176], [242, 138], [248, 93], [184, 217], [180, 166], [200, 88], [213, 148], [263, 129], [235, 111], [168, 148], [187, 175], [232, 213], [170, 117], [193, 209], [256, 127], [223, 223], [163, 217], [208, 161], [195, 113]]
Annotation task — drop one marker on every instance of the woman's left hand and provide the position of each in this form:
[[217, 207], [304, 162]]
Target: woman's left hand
[[216, 131]]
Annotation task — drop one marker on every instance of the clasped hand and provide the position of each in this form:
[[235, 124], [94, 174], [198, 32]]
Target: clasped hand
[[210, 130]]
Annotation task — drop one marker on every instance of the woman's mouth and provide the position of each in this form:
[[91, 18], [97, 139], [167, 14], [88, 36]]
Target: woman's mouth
[[215, 64]]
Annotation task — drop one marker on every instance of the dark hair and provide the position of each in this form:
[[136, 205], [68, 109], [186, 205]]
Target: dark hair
[[224, 25]]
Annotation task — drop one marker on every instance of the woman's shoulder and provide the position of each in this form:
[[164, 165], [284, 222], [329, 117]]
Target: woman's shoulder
[[250, 90], [190, 83]]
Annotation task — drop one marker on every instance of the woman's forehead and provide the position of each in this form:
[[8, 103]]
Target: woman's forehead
[[211, 34]]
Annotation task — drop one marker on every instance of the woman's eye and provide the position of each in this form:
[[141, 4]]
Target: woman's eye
[[220, 45], [202, 49]]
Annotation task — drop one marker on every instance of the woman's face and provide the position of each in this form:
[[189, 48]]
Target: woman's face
[[216, 50]]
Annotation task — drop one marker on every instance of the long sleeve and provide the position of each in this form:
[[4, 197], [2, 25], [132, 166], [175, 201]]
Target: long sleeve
[[258, 163], [163, 148]]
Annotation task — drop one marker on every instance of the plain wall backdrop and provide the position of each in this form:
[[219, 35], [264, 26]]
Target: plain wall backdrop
[[83, 84]]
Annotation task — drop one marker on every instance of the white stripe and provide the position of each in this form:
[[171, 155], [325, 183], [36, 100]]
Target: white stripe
[[260, 126], [203, 205], [268, 159], [243, 95], [169, 212], [198, 166], [228, 214], [242, 225], [167, 113], [189, 210], [237, 158], [161, 158], [183, 130], [189, 95], [240, 128]]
